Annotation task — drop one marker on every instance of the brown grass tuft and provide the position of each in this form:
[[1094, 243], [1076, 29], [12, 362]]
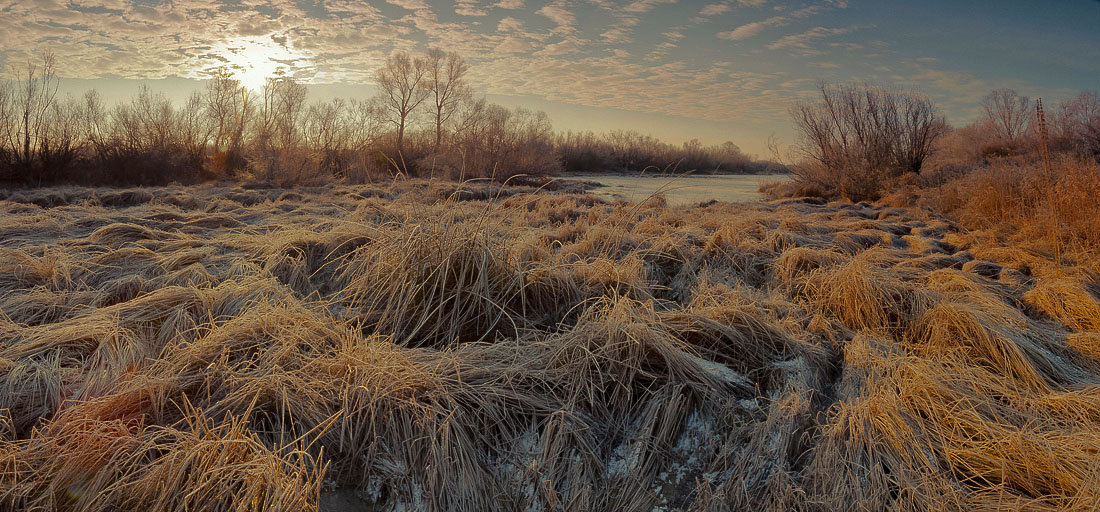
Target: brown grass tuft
[[1069, 301]]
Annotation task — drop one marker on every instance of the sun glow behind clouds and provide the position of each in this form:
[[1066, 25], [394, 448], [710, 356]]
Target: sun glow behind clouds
[[253, 59]]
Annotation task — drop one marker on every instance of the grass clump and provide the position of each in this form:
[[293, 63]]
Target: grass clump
[[1068, 300]]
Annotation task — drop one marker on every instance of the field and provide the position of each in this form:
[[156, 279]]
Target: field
[[434, 346]]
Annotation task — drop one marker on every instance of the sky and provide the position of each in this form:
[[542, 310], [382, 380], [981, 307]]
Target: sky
[[675, 69]]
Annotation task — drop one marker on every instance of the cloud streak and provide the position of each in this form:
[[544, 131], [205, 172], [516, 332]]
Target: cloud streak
[[749, 30], [803, 43]]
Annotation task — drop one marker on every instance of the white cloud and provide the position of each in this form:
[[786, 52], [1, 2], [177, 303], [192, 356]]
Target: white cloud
[[715, 9], [801, 43], [645, 5], [558, 14], [469, 8], [616, 35], [409, 4], [751, 29], [514, 45], [509, 4], [510, 24]]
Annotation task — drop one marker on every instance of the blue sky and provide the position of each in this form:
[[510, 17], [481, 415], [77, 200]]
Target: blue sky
[[678, 69]]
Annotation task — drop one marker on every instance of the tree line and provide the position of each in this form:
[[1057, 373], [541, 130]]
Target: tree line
[[424, 121]]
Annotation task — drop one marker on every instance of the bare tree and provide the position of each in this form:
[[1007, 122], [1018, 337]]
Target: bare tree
[[470, 116], [222, 93], [290, 102], [27, 105], [1009, 114], [194, 130], [365, 124], [278, 117], [1079, 123], [156, 120], [228, 109], [446, 82], [326, 135], [496, 141], [264, 125], [857, 138], [401, 79], [7, 129], [93, 120], [61, 140]]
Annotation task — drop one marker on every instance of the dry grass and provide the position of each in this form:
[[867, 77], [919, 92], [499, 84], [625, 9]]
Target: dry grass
[[431, 346], [1017, 201], [1071, 301]]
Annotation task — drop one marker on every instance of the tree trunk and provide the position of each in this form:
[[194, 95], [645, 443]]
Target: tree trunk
[[401, 136], [438, 129]]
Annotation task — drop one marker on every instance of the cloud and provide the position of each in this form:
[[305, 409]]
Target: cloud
[[469, 8], [509, 4], [514, 45], [801, 43], [616, 35], [510, 24], [645, 5], [715, 9], [409, 4], [751, 29], [627, 21], [566, 46], [558, 14]]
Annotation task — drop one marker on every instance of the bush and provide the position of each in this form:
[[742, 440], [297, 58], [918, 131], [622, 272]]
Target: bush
[[857, 140]]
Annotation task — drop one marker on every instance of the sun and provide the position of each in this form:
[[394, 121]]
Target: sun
[[253, 59]]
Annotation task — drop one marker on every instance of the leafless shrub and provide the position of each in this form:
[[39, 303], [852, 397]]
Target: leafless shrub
[[857, 140], [1078, 123], [1009, 115]]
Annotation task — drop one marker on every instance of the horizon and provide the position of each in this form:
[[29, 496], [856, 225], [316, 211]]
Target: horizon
[[678, 70]]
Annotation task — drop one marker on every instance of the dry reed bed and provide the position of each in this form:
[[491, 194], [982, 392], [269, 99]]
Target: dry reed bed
[[429, 346]]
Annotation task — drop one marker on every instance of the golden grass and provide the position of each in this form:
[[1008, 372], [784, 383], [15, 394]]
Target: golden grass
[[1053, 212], [431, 346], [1069, 301]]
